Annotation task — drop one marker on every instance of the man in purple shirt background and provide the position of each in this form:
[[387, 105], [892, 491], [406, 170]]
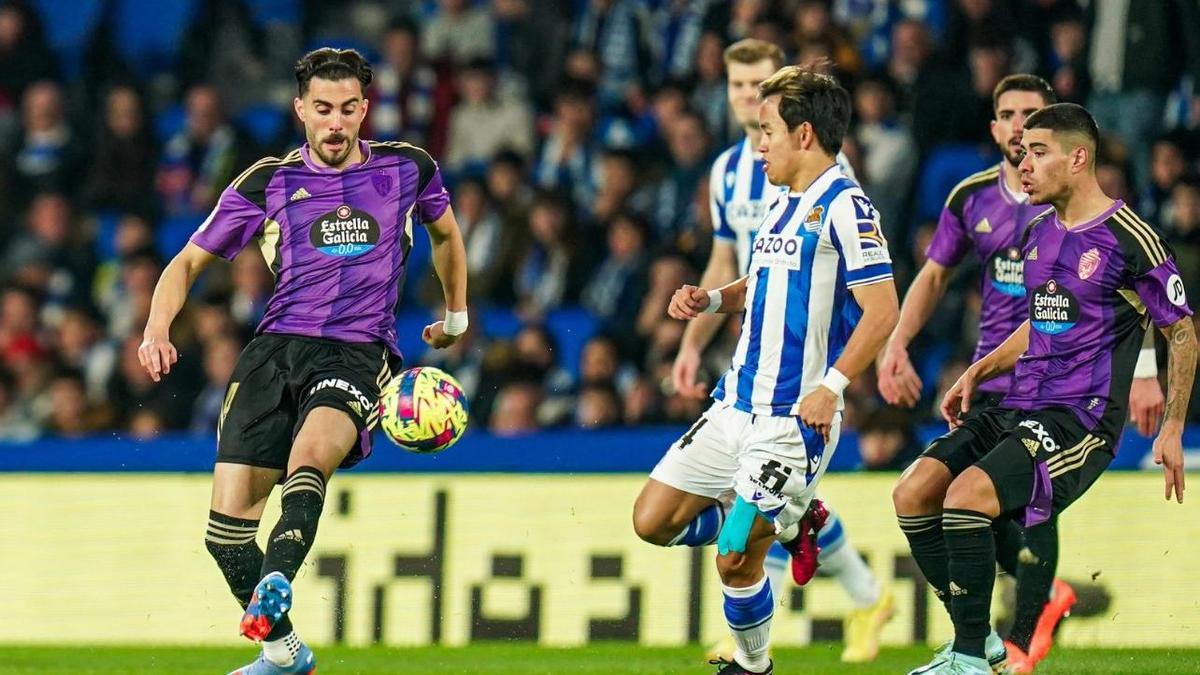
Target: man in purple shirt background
[[987, 214], [334, 221], [1096, 275]]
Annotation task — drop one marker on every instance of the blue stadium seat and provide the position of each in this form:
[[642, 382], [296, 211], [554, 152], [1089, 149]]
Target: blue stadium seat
[[174, 232], [149, 33], [106, 234], [69, 27], [409, 324], [571, 327], [265, 12], [499, 322], [169, 121], [264, 123], [943, 168]]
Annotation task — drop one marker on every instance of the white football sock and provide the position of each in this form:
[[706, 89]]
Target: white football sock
[[748, 611], [282, 652], [853, 574]]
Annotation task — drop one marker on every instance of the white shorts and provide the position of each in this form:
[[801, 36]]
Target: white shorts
[[774, 463]]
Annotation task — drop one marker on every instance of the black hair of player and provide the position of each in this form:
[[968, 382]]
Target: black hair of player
[[1024, 82], [328, 63], [1067, 118], [818, 99]]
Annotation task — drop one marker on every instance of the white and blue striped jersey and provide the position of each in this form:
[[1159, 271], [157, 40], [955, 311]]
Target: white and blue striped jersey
[[811, 250], [739, 196]]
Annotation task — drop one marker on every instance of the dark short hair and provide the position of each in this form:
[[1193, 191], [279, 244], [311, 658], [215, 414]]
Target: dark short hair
[[328, 63], [1067, 118], [811, 97], [1024, 82]]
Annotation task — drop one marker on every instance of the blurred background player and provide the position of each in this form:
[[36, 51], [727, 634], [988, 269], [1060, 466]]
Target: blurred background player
[[988, 213], [739, 197], [818, 304], [333, 220], [1096, 274]]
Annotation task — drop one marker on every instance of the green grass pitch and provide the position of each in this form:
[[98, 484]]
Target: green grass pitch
[[503, 659]]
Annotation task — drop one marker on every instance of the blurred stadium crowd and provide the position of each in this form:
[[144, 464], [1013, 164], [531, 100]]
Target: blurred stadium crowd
[[576, 136]]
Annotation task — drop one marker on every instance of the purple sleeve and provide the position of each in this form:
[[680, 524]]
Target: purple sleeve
[[950, 241], [434, 199], [229, 228], [1161, 290]]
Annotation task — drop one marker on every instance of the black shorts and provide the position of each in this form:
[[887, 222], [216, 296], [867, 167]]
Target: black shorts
[[279, 379], [1040, 462]]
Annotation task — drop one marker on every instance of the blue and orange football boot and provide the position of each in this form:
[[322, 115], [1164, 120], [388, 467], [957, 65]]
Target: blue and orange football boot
[[270, 603]]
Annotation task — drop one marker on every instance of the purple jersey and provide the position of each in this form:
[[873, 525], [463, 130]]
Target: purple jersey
[[337, 241], [984, 216], [1091, 290]]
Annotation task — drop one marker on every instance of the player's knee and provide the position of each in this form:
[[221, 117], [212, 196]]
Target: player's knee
[[912, 498], [737, 569], [323, 453], [921, 489], [972, 491], [651, 527]]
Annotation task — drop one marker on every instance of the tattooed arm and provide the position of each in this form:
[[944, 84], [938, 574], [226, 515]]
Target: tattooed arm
[[1181, 370]]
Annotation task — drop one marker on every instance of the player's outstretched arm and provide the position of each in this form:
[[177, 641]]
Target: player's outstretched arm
[[156, 352], [1000, 360], [881, 310], [898, 380], [1181, 371], [450, 262], [690, 301], [721, 269]]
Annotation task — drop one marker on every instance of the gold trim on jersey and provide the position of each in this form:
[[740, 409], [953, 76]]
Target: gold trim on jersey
[[291, 157], [1133, 299], [268, 243], [1143, 233], [974, 179]]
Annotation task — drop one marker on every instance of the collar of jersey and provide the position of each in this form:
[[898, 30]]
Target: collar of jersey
[[313, 166], [1104, 215], [1008, 195], [821, 182]]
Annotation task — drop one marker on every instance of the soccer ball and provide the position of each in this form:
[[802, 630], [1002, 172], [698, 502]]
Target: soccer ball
[[423, 410]]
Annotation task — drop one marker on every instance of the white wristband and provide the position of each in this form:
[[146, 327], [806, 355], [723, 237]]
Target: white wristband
[[455, 323], [1147, 364], [835, 381], [714, 302]]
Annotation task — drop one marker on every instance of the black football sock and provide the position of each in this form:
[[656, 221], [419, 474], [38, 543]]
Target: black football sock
[[928, 547], [972, 551], [1035, 576]]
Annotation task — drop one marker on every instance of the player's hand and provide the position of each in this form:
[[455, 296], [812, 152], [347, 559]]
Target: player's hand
[[1146, 403], [957, 401], [687, 303], [1168, 451], [683, 374], [157, 354], [817, 409], [899, 383], [436, 337]]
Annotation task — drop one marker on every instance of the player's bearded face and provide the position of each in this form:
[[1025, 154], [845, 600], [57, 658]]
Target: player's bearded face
[[1007, 128], [333, 112]]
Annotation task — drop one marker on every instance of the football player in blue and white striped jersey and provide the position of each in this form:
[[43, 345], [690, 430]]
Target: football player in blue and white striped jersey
[[818, 305]]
